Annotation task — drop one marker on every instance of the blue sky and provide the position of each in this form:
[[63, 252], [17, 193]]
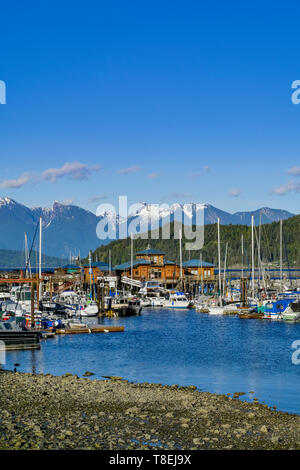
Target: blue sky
[[161, 101]]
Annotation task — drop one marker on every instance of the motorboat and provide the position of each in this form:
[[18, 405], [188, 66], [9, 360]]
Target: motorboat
[[155, 299], [275, 309], [292, 312], [85, 309], [177, 300]]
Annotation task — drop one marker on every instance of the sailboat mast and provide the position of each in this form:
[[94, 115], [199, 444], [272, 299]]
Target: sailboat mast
[[40, 261], [90, 269], [131, 262], [180, 253], [242, 255], [281, 287], [219, 262], [258, 255], [224, 275], [26, 256], [201, 267], [252, 251]]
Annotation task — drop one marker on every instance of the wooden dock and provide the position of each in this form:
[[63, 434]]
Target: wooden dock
[[15, 340], [95, 329]]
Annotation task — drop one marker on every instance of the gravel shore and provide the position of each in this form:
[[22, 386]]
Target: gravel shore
[[48, 412]]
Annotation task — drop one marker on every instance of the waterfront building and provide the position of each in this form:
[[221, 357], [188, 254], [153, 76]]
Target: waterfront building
[[98, 269]]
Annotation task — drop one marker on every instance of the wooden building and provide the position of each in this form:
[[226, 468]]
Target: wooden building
[[98, 269], [151, 265], [67, 269], [148, 265], [198, 270]]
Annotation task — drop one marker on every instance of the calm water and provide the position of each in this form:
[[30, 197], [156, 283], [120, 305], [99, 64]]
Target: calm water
[[217, 354]]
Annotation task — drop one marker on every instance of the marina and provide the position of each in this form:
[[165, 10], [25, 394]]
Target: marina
[[150, 229], [188, 323], [216, 353]]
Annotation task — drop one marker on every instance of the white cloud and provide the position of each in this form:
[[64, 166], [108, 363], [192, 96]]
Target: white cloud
[[290, 187], [75, 170], [206, 169], [99, 198], [130, 169], [234, 192], [295, 171], [15, 183], [153, 176]]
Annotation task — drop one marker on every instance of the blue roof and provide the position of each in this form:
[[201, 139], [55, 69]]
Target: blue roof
[[98, 264], [127, 265], [149, 251], [166, 261], [71, 266], [196, 263]]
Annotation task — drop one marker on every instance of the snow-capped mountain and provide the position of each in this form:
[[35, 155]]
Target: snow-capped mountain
[[190, 213], [71, 229], [66, 229]]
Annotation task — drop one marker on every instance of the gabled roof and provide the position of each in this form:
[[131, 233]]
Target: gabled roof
[[196, 263], [127, 265], [149, 251]]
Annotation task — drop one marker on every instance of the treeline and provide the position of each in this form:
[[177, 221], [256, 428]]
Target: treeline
[[267, 235]]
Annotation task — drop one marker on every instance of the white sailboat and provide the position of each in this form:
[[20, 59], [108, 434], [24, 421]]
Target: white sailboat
[[218, 309]]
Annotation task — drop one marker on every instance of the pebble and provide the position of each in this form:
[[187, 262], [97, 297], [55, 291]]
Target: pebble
[[50, 412]]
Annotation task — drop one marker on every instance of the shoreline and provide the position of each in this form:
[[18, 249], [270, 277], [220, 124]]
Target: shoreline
[[68, 412]]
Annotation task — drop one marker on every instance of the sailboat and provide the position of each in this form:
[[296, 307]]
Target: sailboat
[[218, 309]]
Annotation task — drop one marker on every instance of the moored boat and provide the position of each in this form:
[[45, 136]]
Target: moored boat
[[177, 300], [275, 309], [292, 313], [15, 336]]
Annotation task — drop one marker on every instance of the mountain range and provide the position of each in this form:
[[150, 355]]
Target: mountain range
[[69, 229]]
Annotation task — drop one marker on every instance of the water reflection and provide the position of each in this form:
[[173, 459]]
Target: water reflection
[[218, 354]]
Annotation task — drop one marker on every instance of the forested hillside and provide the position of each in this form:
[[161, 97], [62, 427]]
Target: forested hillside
[[231, 234]]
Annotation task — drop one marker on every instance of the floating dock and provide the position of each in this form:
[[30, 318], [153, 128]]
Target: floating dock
[[95, 329], [15, 340]]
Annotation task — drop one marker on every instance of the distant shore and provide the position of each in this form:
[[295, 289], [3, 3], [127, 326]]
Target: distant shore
[[67, 412]]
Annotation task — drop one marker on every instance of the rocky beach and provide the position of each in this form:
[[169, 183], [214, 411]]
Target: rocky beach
[[68, 412]]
